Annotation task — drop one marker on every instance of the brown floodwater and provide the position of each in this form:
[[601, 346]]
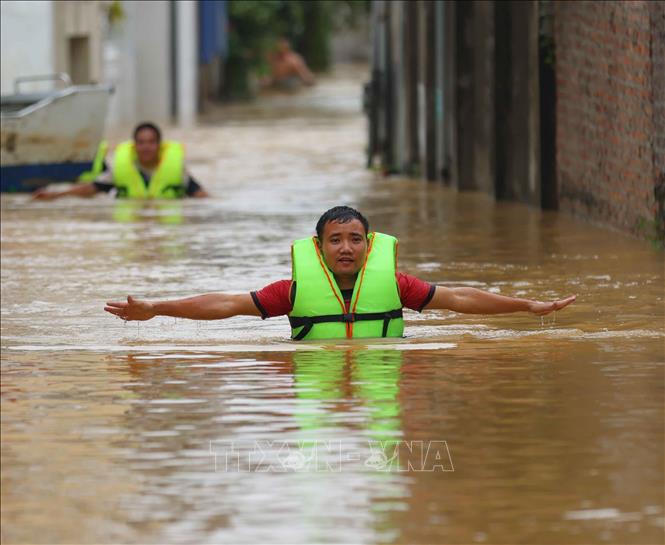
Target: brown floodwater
[[472, 429]]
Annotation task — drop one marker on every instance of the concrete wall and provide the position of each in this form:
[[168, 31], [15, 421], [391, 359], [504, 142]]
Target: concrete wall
[[139, 64], [480, 101], [352, 44], [153, 58], [186, 61], [475, 91], [483, 98], [517, 130], [154, 79], [447, 66], [120, 70], [26, 38], [398, 140], [42, 37], [657, 15], [427, 118], [610, 110], [78, 33]]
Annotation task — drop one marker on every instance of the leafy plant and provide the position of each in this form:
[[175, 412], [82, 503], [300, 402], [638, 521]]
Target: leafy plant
[[546, 32], [255, 25], [115, 13], [652, 230]]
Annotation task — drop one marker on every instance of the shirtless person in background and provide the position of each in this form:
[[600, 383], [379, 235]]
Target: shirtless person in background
[[287, 68]]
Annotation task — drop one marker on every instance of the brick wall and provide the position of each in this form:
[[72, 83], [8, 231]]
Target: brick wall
[[610, 77]]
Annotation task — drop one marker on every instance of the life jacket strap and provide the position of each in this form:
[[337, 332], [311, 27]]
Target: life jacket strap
[[178, 189], [307, 322]]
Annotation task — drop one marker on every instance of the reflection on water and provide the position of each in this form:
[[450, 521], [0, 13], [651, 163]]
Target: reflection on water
[[166, 212], [553, 431]]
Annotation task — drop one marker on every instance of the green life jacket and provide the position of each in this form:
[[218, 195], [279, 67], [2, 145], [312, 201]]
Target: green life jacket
[[165, 183], [318, 310], [97, 164]]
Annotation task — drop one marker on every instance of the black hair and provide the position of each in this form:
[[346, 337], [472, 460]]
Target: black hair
[[148, 125], [340, 214]]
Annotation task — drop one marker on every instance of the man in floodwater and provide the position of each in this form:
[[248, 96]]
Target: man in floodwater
[[287, 69], [144, 168], [345, 284]]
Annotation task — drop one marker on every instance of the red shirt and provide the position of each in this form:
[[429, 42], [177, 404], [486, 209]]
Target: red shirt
[[275, 298]]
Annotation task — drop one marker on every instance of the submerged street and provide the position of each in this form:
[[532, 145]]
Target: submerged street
[[115, 432]]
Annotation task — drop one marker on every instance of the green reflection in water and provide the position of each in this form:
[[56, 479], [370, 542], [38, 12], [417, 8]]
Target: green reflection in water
[[130, 211], [327, 377]]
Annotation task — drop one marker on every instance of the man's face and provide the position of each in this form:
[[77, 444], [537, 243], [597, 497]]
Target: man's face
[[344, 246], [147, 146]]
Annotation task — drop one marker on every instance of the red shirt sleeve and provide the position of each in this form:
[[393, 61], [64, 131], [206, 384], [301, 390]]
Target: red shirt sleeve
[[274, 299], [414, 293]]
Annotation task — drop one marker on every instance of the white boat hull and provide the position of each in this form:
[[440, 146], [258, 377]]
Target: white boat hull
[[52, 139]]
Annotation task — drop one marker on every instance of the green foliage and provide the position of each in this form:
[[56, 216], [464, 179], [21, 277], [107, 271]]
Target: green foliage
[[314, 42], [115, 13], [652, 230], [547, 48], [546, 32], [252, 31], [255, 25]]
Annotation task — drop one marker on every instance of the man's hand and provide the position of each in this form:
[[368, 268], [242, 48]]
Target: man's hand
[[77, 190], [42, 194], [210, 306], [541, 309], [475, 301], [133, 309]]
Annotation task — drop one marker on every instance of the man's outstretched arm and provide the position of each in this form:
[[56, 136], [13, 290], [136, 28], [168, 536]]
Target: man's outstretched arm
[[211, 306], [77, 190], [475, 301]]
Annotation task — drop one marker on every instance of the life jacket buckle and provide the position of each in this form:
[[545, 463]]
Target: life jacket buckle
[[348, 318]]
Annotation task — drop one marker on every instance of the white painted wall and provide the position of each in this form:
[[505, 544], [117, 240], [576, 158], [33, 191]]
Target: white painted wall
[[76, 19], [153, 60], [26, 41], [136, 54], [119, 65], [187, 60], [137, 63]]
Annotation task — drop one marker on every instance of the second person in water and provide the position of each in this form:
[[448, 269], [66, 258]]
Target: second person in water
[[143, 168]]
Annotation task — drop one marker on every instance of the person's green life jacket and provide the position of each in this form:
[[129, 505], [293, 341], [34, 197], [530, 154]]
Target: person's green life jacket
[[165, 183], [97, 164], [318, 310]]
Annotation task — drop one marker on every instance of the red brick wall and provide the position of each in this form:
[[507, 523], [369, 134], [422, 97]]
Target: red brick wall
[[610, 76]]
